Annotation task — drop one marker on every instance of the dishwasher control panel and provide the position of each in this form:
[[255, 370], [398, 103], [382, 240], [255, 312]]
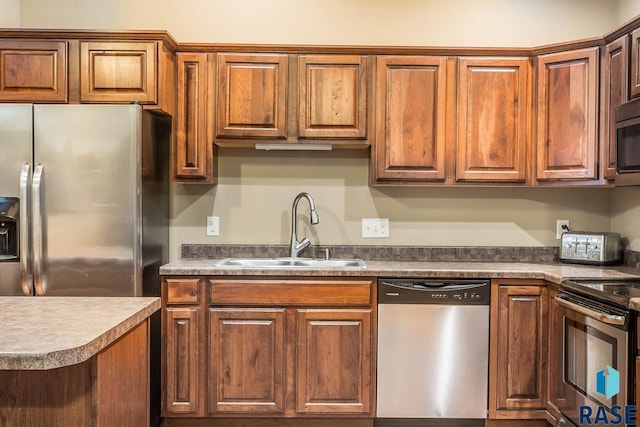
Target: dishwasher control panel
[[434, 291]]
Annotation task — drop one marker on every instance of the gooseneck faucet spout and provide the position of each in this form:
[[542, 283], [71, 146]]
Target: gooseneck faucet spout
[[298, 246]]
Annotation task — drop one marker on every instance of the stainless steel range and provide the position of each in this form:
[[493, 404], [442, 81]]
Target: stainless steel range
[[593, 330], [618, 292]]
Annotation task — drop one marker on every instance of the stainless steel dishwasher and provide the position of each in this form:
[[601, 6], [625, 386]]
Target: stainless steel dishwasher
[[433, 352]]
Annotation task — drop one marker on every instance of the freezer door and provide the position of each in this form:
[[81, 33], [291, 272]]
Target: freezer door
[[16, 136], [86, 210]]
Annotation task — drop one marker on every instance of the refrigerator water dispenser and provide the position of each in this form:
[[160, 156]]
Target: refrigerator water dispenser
[[9, 217]]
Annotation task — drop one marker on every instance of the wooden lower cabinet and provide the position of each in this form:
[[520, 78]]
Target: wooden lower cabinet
[[519, 340], [272, 348], [109, 389], [246, 361], [182, 360], [334, 360], [249, 368], [182, 344]]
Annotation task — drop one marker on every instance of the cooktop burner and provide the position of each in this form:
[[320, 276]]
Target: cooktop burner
[[615, 291]]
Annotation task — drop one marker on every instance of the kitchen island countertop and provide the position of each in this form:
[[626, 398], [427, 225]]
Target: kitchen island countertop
[[41, 333]]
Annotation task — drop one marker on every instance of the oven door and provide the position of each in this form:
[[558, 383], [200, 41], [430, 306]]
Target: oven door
[[591, 337]]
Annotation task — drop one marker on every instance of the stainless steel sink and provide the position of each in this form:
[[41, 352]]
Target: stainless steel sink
[[289, 263]]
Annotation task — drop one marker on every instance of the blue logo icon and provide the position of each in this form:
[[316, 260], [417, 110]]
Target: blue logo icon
[[608, 382]]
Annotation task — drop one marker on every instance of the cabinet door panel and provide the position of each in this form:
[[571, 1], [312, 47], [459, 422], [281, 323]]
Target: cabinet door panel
[[252, 95], [493, 119], [410, 136], [193, 154], [555, 388], [614, 82], [567, 115], [635, 63], [118, 72], [246, 361], [333, 366], [182, 374], [521, 348], [333, 96], [33, 71]]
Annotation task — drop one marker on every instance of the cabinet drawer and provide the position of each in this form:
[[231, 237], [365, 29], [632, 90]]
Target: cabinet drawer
[[291, 292], [182, 291]]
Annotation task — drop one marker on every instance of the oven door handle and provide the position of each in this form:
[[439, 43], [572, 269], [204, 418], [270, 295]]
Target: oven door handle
[[611, 319]]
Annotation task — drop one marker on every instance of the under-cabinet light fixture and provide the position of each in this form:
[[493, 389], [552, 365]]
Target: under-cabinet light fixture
[[295, 147]]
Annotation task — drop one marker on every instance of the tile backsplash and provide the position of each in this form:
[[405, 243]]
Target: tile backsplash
[[541, 254]]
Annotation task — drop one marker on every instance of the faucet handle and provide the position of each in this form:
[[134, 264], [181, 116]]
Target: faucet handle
[[326, 253], [303, 243]]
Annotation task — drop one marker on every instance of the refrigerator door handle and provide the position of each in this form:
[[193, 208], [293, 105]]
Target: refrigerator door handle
[[39, 276], [26, 279]]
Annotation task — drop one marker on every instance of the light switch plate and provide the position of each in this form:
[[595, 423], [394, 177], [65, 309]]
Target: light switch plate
[[213, 226], [375, 227]]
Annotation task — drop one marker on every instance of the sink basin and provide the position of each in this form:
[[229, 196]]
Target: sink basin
[[289, 263]]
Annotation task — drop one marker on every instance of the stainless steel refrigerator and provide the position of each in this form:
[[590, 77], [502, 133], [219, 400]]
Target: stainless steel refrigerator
[[84, 204], [89, 185]]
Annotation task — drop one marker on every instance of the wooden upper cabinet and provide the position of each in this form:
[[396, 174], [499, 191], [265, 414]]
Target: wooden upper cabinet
[[566, 146], [252, 95], [615, 91], [635, 63], [193, 151], [332, 96], [33, 71], [118, 72], [493, 119], [411, 98]]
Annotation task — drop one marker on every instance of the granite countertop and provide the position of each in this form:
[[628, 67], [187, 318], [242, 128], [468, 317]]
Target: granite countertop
[[555, 272], [52, 332]]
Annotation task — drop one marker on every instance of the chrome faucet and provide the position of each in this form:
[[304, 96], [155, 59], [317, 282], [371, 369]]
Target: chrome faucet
[[298, 246]]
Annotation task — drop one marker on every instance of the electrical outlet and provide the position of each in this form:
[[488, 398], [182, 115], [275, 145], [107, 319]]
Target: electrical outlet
[[375, 227], [559, 227], [213, 226]]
